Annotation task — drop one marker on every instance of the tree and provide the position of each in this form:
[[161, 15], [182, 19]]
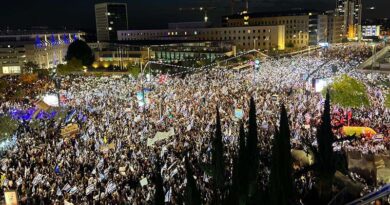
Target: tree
[[80, 51], [387, 100], [281, 182], [348, 92], [218, 162], [159, 196], [28, 78], [73, 66], [30, 67], [252, 149], [192, 194], [242, 177], [290, 45], [324, 156]]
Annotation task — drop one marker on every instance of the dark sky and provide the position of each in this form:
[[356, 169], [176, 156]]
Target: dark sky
[[148, 13]]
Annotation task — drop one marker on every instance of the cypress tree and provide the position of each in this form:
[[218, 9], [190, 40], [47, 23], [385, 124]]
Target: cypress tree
[[325, 167], [159, 196], [192, 194], [238, 190], [281, 182], [252, 150], [218, 162]]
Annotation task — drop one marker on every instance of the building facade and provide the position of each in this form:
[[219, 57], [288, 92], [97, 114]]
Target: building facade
[[335, 24], [244, 38], [302, 28], [123, 56], [351, 11], [110, 17], [46, 49]]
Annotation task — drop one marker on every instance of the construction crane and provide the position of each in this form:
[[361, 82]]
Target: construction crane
[[201, 9]]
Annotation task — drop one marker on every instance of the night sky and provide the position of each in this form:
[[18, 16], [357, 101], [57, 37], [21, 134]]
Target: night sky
[[149, 13]]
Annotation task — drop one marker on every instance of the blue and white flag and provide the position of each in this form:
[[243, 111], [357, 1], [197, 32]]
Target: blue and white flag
[[73, 190], [66, 188], [111, 187], [37, 179], [89, 189], [168, 195]]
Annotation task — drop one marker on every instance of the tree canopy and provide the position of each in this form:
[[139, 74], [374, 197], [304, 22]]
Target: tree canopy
[[30, 67], [80, 51], [73, 66], [348, 92], [387, 100]]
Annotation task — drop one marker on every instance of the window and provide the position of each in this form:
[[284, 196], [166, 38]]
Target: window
[[11, 69]]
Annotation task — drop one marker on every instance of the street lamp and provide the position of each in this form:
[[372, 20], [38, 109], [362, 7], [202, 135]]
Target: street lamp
[[373, 56]]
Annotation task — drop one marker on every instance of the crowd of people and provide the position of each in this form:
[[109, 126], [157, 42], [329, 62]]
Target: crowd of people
[[110, 160]]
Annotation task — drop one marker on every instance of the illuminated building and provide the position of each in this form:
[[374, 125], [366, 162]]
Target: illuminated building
[[302, 28], [47, 49], [110, 17], [351, 11], [244, 38]]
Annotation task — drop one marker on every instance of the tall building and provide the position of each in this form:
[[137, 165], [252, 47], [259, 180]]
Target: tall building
[[110, 17], [335, 24], [351, 10], [45, 48]]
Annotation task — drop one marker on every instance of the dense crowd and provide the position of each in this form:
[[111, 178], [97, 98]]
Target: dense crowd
[[46, 168]]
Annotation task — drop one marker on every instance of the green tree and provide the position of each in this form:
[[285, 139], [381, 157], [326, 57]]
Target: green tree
[[80, 51], [324, 156], [242, 169], [387, 100], [159, 196], [218, 162], [7, 126], [348, 92], [290, 45], [281, 182], [252, 149], [73, 66], [30, 67], [192, 194]]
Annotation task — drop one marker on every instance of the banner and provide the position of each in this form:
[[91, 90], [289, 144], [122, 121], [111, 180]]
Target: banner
[[11, 198], [358, 131], [70, 130], [161, 136]]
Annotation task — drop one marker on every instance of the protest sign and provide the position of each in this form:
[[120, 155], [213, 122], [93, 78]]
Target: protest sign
[[161, 136], [11, 198], [144, 182]]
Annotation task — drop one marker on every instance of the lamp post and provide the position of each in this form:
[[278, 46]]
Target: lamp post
[[373, 56]]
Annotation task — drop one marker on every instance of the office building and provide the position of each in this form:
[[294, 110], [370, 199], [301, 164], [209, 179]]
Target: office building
[[302, 28], [244, 38], [351, 11], [371, 31], [110, 18], [125, 55], [335, 23], [47, 49]]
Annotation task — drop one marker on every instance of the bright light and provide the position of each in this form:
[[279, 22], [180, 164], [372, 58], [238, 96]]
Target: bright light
[[320, 84], [110, 28], [51, 100]]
